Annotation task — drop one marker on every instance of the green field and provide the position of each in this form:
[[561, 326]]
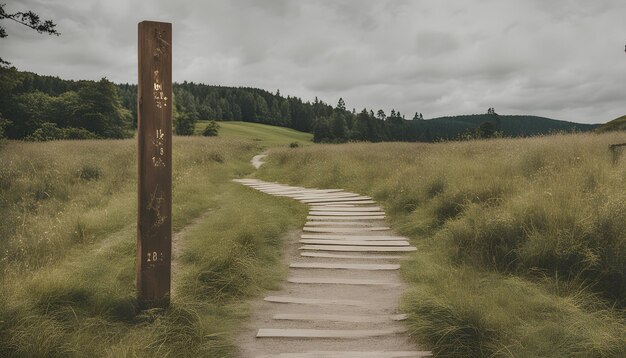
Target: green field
[[263, 134]]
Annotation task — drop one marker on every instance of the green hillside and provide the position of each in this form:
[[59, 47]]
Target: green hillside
[[266, 135], [618, 124], [509, 125]]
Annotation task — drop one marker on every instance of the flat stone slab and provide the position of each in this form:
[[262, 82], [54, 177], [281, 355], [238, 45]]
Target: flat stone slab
[[354, 202], [323, 195], [322, 236], [332, 205], [357, 199], [351, 217], [342, 266], [339, 281], [325, 333], [314, 301], [288, 192], [355, 242], [346, 208], [359, 248], [343, 256], [296, 191], [327, 229], [340, 223], [338, 318], [326, 196], [267, 186], [352, 354], [344, 213]]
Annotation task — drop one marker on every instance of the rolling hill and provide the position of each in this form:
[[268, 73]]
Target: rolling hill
[[510, 125], [618, 124], [266, 135]]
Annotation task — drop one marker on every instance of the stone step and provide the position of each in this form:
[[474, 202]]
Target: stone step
[[340, 223], [322, 236], [350, 218], [326, 196], [346, 213], [295, 191], [350, 202], [342, 266], [315, 301], [338, 318], [358, 248], [345, 229], [351, 354], [357, 199], [325, 333], [355, 242], [339, 281], [343, 256], [347, 208]]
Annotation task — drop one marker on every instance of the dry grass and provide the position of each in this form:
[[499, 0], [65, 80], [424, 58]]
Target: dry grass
[[67, 248], [522, 242]]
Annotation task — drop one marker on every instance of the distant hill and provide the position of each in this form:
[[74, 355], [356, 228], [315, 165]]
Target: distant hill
[[618, 124], [508, 125]]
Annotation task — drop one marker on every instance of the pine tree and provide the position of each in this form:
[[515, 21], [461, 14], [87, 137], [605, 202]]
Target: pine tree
[[381, 114], [341, 105]]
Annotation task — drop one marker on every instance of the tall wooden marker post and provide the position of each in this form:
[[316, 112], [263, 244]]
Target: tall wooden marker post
[[154, 137]]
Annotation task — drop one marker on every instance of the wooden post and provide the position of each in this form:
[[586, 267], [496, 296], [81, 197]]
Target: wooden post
[[154, 139], [615, 151]]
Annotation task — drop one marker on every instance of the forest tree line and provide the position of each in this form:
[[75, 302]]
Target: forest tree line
[[44, 107]]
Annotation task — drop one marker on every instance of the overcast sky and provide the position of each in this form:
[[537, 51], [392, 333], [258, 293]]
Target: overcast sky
[[562, 59]]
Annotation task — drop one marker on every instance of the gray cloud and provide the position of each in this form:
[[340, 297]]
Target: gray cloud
[[563, 58], [431, 43]]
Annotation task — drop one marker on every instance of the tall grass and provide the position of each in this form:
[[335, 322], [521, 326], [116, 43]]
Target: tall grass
[[522, 242], [67, 234]]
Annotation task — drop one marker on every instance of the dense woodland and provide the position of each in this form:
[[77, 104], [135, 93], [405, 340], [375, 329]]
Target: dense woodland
[[43, 108], [38, 107]]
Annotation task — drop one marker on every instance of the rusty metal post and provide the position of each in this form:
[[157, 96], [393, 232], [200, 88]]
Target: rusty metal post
[[154, 139]]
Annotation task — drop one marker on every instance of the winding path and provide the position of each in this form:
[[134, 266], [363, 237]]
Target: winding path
[[343, 287]]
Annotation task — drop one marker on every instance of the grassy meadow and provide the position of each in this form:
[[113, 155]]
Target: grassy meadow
[[521, 242], [262, 134], [67, 249]]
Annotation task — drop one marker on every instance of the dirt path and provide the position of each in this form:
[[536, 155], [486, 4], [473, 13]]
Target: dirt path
[[257, 160], [343, 288]]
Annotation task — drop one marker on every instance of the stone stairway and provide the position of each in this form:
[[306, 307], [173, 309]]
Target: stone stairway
[[343, 287]]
